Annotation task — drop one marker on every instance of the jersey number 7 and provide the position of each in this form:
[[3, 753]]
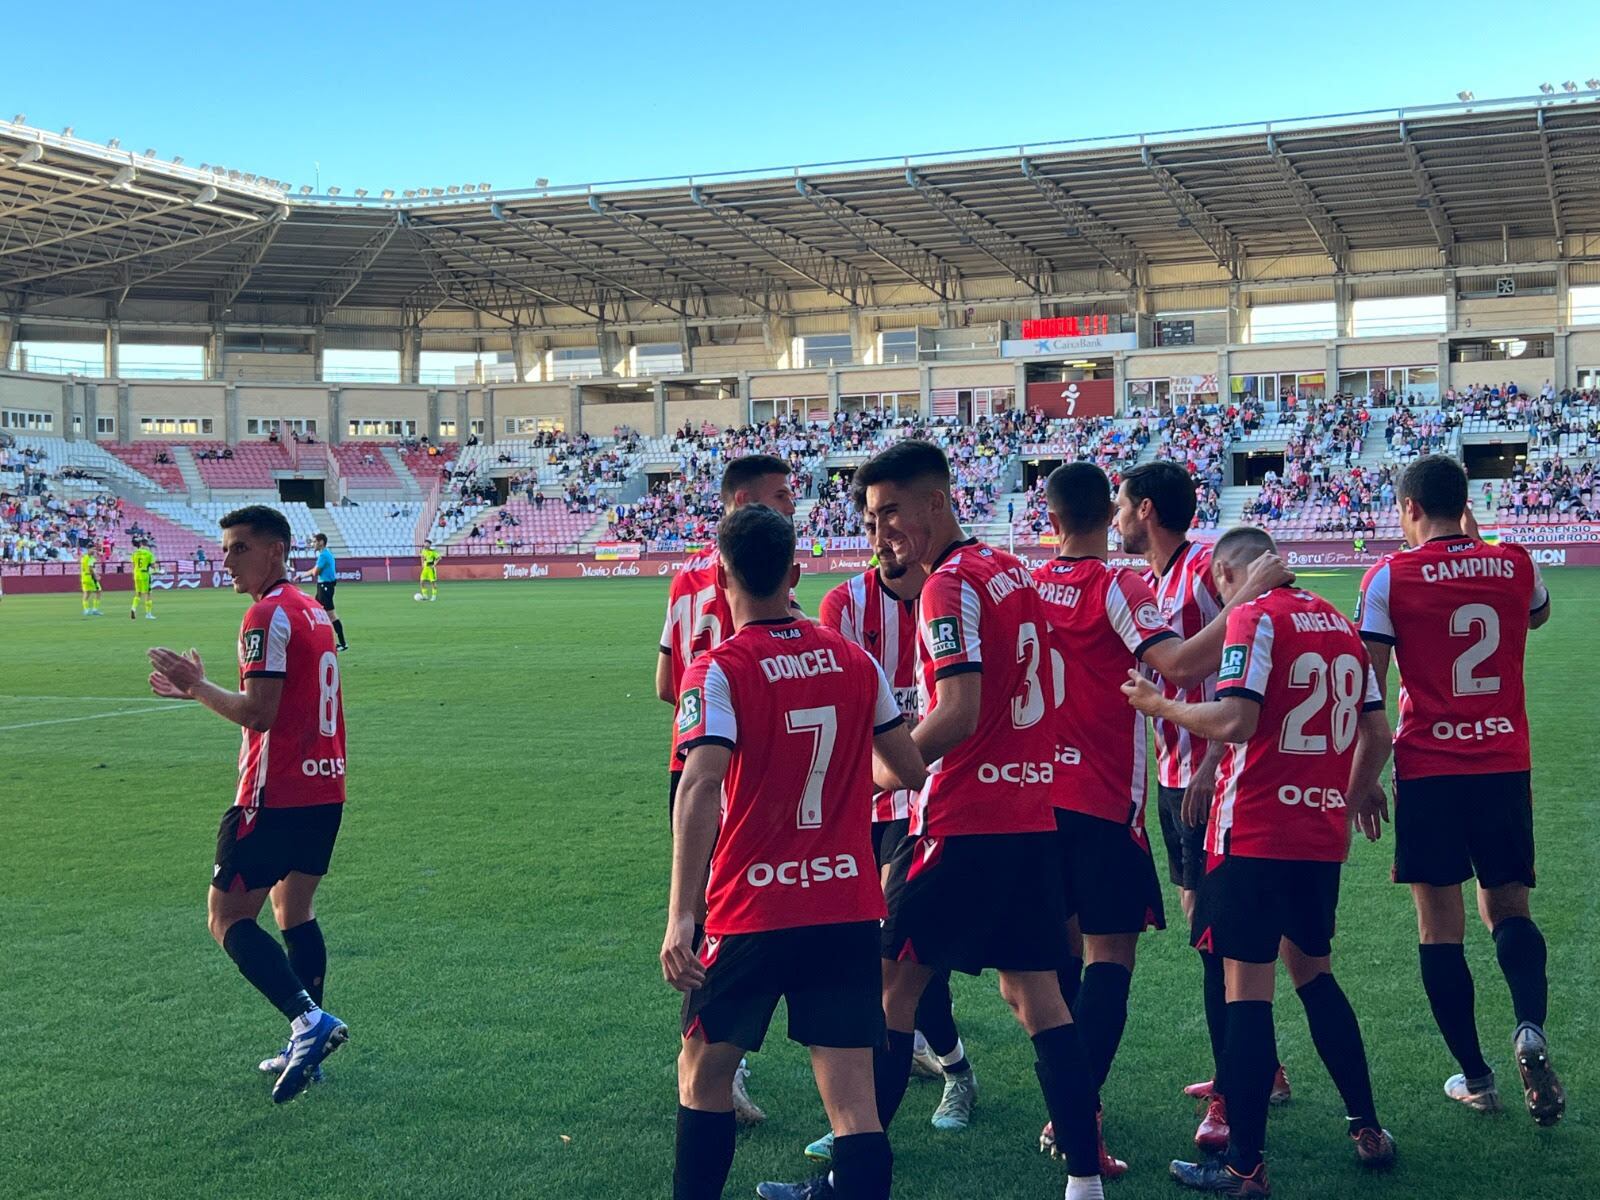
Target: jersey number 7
[[823, 726]]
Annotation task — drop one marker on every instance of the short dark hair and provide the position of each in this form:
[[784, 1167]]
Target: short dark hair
[[1243, 544], [320, 537], [1079, 494], [1168, 487], [906, 461], [258, 518], [858, 495], [1438, 483], [742, 472], [757, 547]]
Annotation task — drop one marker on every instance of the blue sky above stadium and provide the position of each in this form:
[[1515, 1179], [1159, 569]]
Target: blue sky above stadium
[[408, 94]]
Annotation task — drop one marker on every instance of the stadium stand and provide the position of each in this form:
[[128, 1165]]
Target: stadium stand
[[377, 529], [153, 462], [246, 466], [364, 466]]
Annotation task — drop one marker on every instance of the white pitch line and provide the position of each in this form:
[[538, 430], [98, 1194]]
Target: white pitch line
[[4, 697], [122, 712]]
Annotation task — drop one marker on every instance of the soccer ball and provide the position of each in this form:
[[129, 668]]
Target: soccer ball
[[417, 596]]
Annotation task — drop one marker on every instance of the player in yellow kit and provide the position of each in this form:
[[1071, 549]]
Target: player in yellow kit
[[91, 584], [430, 573], [144, 562]]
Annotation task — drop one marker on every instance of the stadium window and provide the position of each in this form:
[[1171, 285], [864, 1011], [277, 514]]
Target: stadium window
[[897, 345], [370, 427], [1398, 315], [156, 426], [361, 366], [60, 358], [447, 429], [575, 362], [1584, 305], [161, 362], [823, 349], [462, 366], [656, 358], [38, 422], [780, 407], [105, 425], [476, 427], [525, 425], [1293, 322], [263, 426]]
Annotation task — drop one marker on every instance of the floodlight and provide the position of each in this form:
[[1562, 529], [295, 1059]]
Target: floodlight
[[484, 187], [1593, 84], [333, 191], [541, 183], [114, 143], [1465, 96], [469, 187], [409, 194], [305, 189], [177, 160], [1569, 86], [67, 131], [361, 193], [438, 191], [1547, 89], [149, 152], [20, 119], [388, 193], [122, 178], [203, 166], [453, 189]]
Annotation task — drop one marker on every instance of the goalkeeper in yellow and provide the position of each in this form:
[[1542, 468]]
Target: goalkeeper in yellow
[[90, 582], [430, 573], [144, 562]]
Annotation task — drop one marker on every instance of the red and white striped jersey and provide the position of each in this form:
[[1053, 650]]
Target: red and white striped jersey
[[1189, 601], [1281, 793], [798, 706], [698, 618], [1102, 620], [980, 611], [1456, 611], [866, 610], [299, 761]]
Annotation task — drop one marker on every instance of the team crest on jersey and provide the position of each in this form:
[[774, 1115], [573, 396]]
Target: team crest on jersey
[[1232, 663], [689, 710], [253, 645], [944, 636]]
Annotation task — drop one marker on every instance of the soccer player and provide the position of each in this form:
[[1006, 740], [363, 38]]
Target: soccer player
[[698, 618], [977, 881], [90, 581], [277, 838], [1455, 613], [144, 561], [878, 611], [326, 575], [778, 727], [1300, 712], [430, 572], [1155, 508], [1103, 622]]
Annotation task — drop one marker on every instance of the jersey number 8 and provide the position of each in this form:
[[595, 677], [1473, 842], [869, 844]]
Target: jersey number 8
[[328, 698]]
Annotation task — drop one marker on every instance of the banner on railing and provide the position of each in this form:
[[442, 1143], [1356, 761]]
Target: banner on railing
[[606, 551]]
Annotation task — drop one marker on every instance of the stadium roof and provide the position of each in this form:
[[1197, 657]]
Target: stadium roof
[[81, 220]]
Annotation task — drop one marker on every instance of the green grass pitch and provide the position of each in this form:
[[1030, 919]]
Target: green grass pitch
[[493, 918]]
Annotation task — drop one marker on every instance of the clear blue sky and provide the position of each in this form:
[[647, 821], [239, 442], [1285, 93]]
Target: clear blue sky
[[407, 94]]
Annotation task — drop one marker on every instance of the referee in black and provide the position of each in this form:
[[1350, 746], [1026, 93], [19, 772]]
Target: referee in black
[[326, 575]]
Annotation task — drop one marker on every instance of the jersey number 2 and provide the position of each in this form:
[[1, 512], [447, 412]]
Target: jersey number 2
[[823, 726], [1463, 622]]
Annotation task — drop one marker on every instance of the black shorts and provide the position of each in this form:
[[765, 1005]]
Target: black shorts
[[1246, 905], [972, 901], [258, 852], [673, 779], [1186, 844], [886, 837], [325, 594], [1448, 828], [829, 976], [1108, 877]]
